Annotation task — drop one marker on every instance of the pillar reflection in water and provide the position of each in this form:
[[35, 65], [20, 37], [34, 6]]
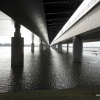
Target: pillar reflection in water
[[16, 78], [76, 70], [44, 76], [61, 72]]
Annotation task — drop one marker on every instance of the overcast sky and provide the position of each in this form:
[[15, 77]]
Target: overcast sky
[[7, 31]]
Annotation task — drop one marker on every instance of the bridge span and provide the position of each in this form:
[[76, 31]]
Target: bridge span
[[86, 28], [35, 16]]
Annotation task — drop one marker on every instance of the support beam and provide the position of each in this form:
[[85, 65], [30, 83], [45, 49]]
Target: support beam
[[77, 49], [32, 44], [17, 43], [59, 47]]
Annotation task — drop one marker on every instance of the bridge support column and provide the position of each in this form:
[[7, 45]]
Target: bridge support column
[[55, 46], [59, 47], [77, 49], [67, 47], [45, 46], [32, 44], [17, 43], [41, 46], [32, 47], [51, 46]]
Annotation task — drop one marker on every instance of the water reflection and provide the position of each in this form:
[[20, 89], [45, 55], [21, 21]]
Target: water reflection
[[76, 73], [44, 76], [63, 70], [16, 78]]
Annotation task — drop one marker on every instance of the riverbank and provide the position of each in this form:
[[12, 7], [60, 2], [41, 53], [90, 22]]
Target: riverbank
[[69, 94]]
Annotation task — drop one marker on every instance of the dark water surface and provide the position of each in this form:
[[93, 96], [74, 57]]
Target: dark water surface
[[48, 70]]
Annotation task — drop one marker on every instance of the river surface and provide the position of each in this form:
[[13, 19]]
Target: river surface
[[49, 70]]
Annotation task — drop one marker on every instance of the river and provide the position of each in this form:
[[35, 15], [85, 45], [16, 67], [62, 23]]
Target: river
[[49, 70]]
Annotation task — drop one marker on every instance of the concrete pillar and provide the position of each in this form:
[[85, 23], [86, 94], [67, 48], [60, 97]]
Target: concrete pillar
[[55, 46], [45, 46], [41, 46], [17, 51], [32, 44], [52, 46], [67, 47], [32, 47], [59, 47], [77, 49]]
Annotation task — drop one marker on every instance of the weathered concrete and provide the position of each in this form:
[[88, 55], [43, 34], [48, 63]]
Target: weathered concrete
[[68, 94], [77, 49], [59, 47], [17, 52]]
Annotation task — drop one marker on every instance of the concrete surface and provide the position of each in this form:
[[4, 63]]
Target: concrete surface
[[88, 22]]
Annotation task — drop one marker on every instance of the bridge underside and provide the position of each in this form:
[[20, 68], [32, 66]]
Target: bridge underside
[[90, 36], [43, 17], [57, 13], [29, 13], [88, 27]]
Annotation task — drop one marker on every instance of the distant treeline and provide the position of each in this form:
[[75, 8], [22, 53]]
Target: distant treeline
[[84, 47], [25, 45], [8, 44]]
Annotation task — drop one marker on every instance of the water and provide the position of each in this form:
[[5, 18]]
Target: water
[[48, 70]]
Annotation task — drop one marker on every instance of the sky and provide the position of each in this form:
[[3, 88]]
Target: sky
[[7, 31]]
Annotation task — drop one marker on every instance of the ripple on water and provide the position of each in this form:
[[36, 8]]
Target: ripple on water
[[48, 70]]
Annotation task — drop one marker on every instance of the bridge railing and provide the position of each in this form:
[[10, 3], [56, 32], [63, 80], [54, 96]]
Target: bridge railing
[[75, 17]]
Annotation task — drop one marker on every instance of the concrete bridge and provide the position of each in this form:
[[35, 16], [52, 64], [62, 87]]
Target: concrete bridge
[[46, 18], [85, 28]]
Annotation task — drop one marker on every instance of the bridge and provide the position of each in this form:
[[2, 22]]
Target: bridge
[[46, 19], [84, 28]]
